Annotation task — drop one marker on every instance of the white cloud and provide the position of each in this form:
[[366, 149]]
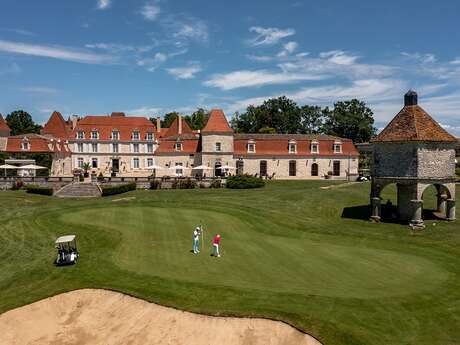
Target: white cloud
[[288, 49], [61, 53], [38, 89], [245, 78], [146, 110], [259, 58], [194, 31], [19, 31], [187, 72], [420, 57], [153, 63], [339, 57], [150, 11], [119, 48], [103, 4], [268, 36]]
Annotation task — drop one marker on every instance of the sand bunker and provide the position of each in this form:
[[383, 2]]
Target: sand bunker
[[93, 317]]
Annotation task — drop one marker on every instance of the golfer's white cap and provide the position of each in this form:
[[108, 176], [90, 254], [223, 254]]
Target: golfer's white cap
[[197, 228]]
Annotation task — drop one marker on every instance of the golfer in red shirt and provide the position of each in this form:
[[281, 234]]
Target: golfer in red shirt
[[215, 245]]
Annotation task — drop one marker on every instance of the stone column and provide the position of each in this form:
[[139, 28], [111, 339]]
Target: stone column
[[442, 203], [417, 208], [450, 213], [376, 209]]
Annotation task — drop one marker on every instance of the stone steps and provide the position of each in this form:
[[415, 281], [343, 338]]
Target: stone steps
[[79, 190]]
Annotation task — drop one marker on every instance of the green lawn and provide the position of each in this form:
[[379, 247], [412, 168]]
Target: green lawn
[[291, 251]]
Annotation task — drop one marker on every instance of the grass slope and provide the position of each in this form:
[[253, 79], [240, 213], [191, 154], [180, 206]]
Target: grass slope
[[291, 251]]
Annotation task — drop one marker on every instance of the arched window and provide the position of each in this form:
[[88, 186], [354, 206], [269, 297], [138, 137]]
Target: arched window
[[314, 169], [263, 168], [292, 168]]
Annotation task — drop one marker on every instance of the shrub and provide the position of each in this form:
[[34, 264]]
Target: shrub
[[118, 189], [202, 185], [34, 189], [183, 184], [244, 182], [17, 185], [81, 178], [216, 184], [155, 184], [100, 177]]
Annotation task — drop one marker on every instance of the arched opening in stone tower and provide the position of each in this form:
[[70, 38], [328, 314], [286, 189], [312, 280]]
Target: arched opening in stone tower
[[435, 198], [389, 203]]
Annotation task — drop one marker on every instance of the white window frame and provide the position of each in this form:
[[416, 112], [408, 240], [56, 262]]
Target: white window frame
[[136, 148], [218, 147], [80, 147], [94, 137], [80, 162], [314, 144], [337, 145], [291, 145], [135, 135], [113, 148], [149, 162], [25, 146], [179, 168], [149, 148], [253, 145], [138, 163], [94, 148], [80, 135], [149, 136], [115, 135], [178, 146]]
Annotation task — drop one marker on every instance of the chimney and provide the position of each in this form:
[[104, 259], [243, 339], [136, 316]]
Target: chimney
[[179, 124], [158, 124], [410, 98], [74, 119]]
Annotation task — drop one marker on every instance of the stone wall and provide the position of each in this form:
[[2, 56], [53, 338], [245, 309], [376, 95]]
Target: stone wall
[[395, 159], [436, 160], [208, 142]]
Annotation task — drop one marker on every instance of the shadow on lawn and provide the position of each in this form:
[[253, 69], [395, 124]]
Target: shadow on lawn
[[389, 214]]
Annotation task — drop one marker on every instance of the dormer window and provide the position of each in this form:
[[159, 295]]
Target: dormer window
[[178, 146], [115, 135], [135, 135], [218, 147], [337, 147], [149, 136], [251, 146], [25, 145], [80, 135], [292, 146], [314, 147], [94, 134]]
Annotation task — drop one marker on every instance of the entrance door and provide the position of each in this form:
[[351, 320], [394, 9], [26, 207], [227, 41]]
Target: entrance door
[[217, 170], [263, 168], [115, 165]]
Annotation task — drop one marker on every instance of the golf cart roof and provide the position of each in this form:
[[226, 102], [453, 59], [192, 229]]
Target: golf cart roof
[[65, 239]]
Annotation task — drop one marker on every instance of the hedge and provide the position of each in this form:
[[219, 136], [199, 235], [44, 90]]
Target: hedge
[[118, 189], [34, 189], [244, 182]]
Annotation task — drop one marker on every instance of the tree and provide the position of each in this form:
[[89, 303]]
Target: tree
[[168, 119], [312, 118], [20, 122], [280, 113], [198, 119], [350, 119]]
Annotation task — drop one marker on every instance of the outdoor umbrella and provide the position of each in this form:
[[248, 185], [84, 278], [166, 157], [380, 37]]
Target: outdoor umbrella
[[226, 167], [7, 166], [155, 168], [202, 167], [32, 167]]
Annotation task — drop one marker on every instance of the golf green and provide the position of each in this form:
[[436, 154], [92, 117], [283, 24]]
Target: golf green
[[291, 251]]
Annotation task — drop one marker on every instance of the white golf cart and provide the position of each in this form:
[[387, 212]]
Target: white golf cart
[[67, 250]]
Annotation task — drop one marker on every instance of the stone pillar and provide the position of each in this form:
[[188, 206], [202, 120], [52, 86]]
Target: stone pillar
[[450, 213], [442, 203], [417, 208], [376, 209]]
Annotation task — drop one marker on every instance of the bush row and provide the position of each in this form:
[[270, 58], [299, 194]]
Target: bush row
[[118, 189], [34, 189], [244, 182]]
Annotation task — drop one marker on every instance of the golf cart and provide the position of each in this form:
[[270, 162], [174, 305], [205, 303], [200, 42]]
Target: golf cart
[[67, 250]]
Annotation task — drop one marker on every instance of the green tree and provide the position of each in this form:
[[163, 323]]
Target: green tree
[[198, 119], [168, 119], [350, 119], [312, 118], [21, 122], [267, 130]]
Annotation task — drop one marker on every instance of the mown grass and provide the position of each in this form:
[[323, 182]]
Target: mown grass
[[291, 251]]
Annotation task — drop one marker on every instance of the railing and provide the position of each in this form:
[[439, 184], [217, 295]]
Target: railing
[[37, 179]]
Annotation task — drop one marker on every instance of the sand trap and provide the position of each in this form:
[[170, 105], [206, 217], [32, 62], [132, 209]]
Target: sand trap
[[92, 317]]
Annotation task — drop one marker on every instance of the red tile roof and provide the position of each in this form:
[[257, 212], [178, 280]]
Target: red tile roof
[[37, 144], [56, 126], [125, 125], [217, 123], [167, 146], [413, 123], [278, 145], [4, 126], [174, 128]]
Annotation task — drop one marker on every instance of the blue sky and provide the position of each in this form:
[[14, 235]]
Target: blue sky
[[150, 57]]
